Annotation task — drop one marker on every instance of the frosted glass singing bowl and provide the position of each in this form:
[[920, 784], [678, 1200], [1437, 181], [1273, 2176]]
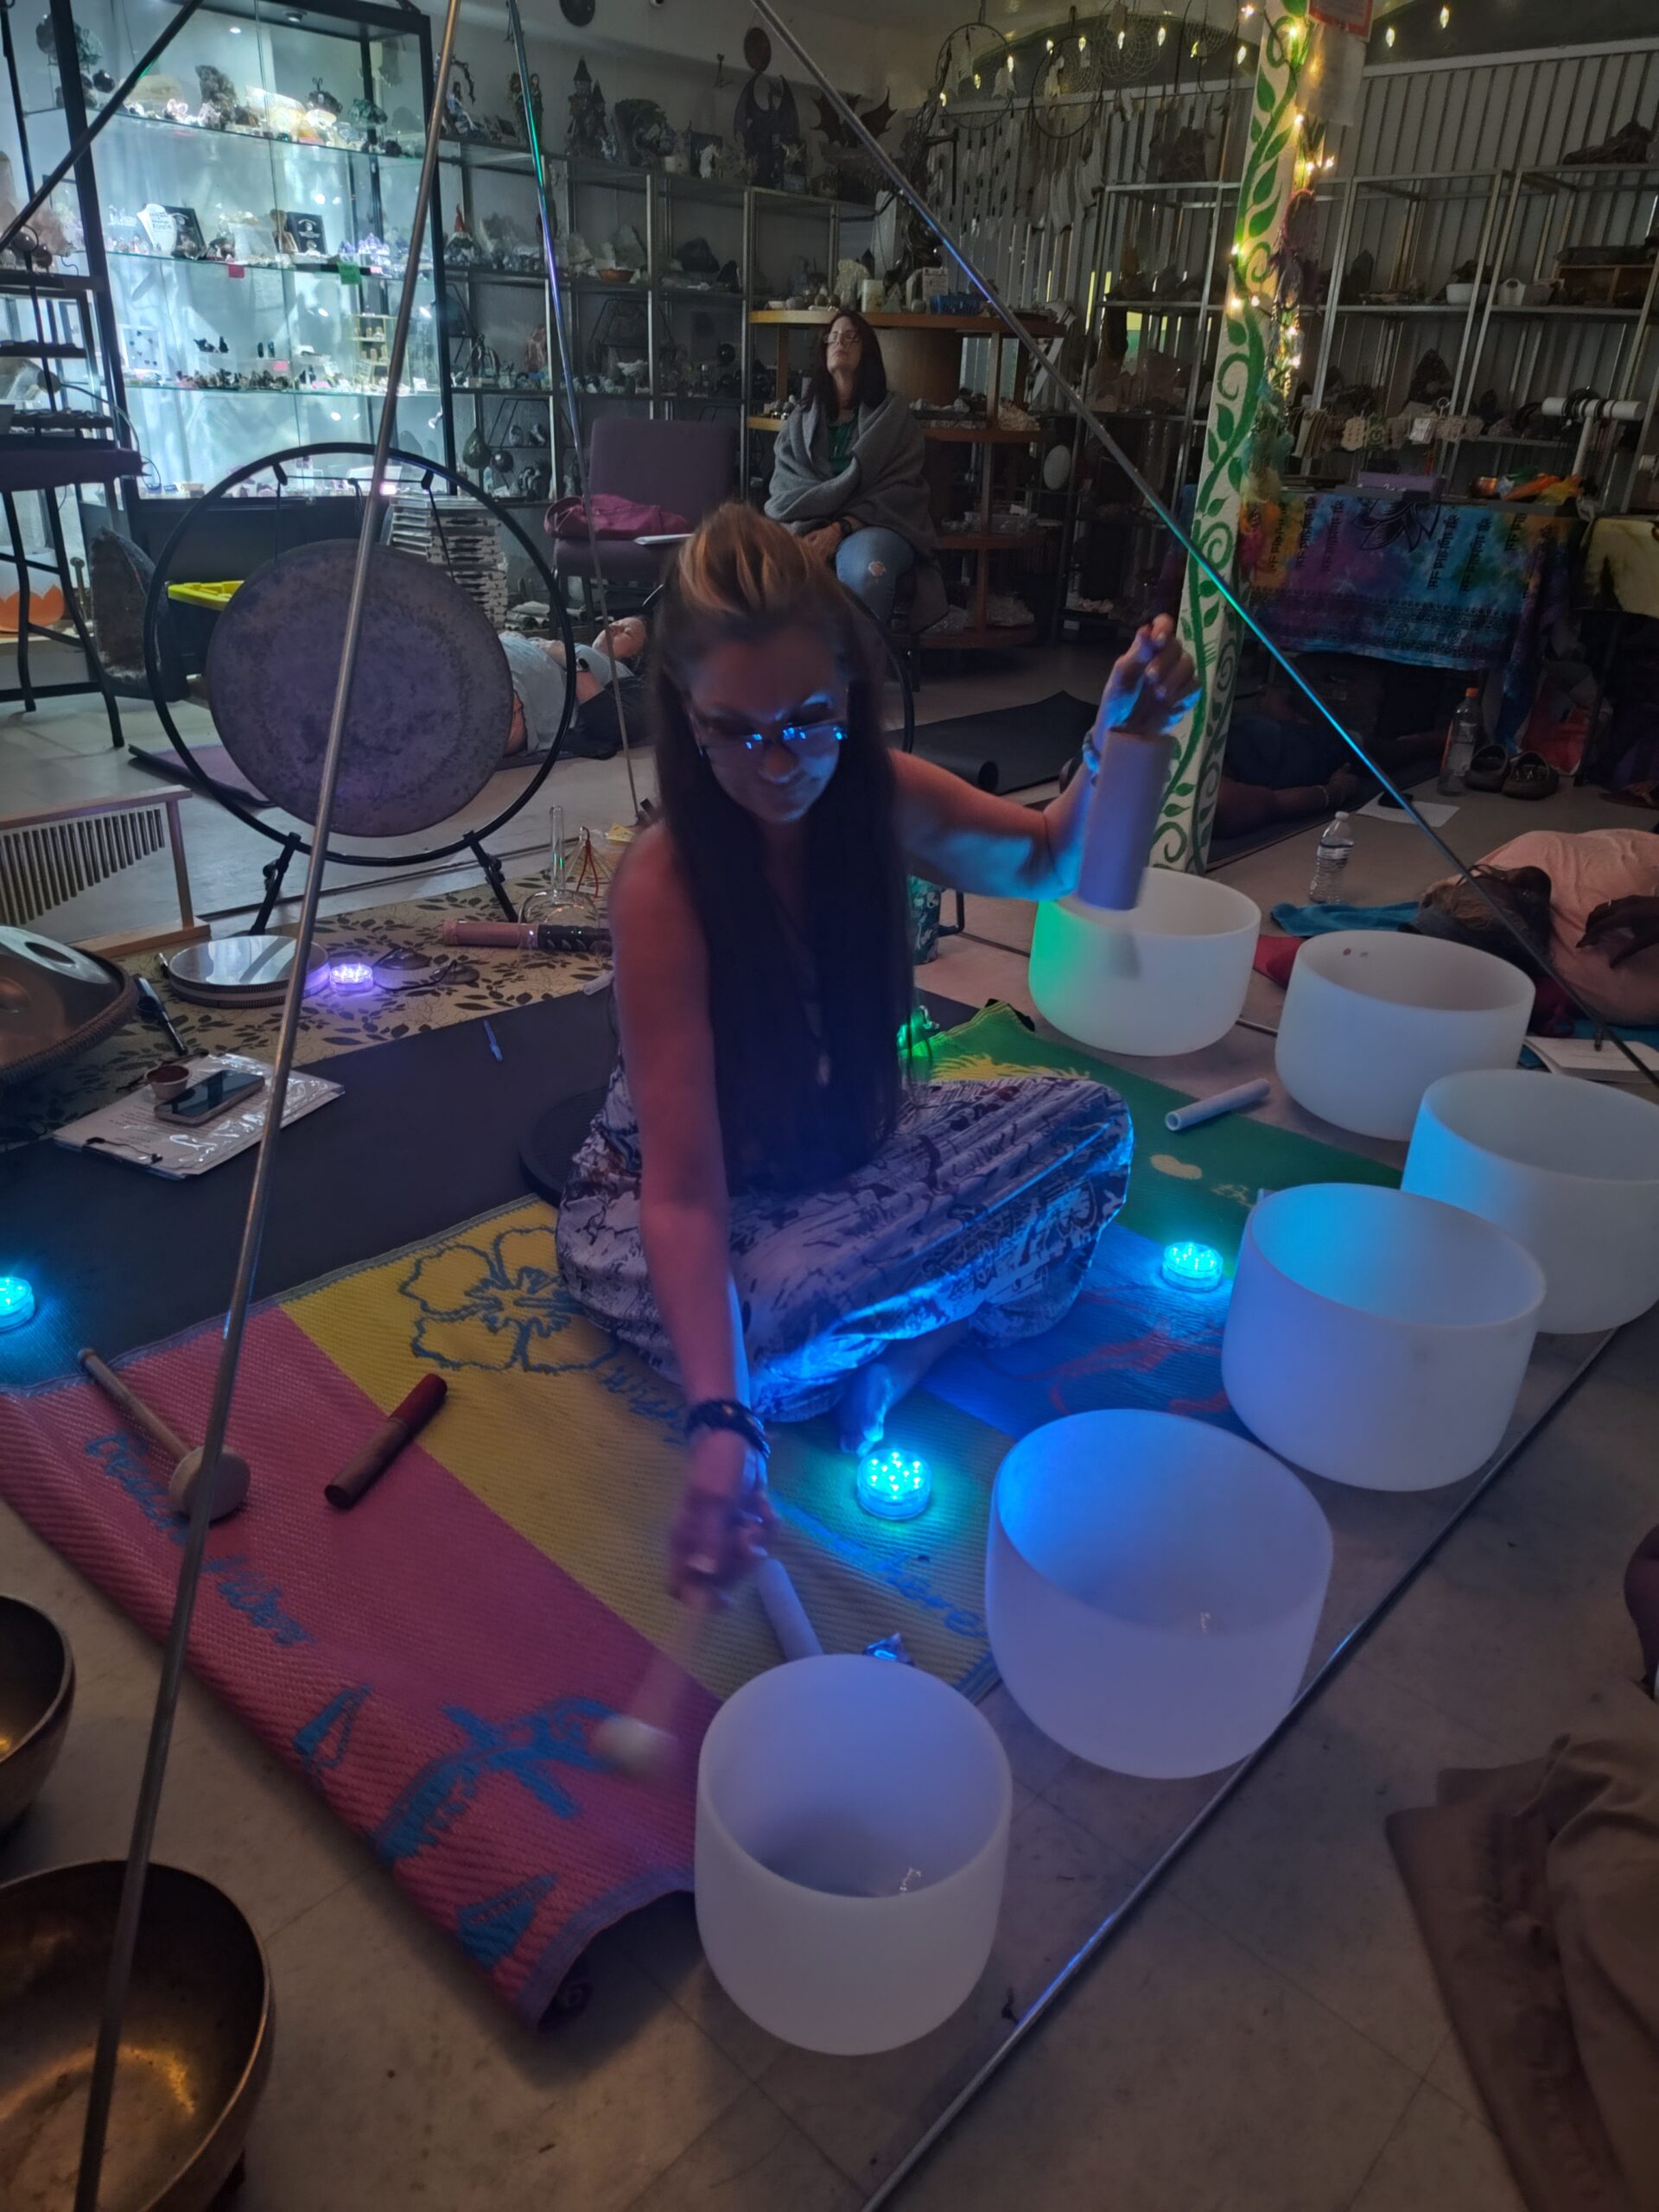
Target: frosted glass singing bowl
[[1570, 1168], [1153, 1586], [852, 1833], [1377, 1338], [1167, 977], [1371, 1018]]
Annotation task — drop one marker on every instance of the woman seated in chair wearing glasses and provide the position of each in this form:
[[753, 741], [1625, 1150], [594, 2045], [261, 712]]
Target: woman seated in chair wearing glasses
[[846, 479], [765, 1208]]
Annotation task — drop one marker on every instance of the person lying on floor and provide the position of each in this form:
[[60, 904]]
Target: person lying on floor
[[539, 678], [1280, 765], [765, 1208], [1588, 900], [847, 478]]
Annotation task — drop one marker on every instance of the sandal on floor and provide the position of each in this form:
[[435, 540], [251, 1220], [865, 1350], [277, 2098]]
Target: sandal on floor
[[1531, 777], [1487, 770]]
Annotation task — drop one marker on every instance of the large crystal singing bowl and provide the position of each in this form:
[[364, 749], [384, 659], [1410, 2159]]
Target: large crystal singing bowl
[[1168, 977], [1152, 1587], [852, 1831], [1571, 1169], [1371, 1018], [1376, 1337]]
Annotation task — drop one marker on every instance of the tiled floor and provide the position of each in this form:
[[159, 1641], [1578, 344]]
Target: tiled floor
[[1264, 2036]]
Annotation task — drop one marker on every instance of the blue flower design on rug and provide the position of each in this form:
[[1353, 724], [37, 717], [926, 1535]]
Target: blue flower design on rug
[[499, 1306]]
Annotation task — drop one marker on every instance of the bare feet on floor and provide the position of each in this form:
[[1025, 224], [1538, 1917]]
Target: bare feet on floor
[[874, 1390]]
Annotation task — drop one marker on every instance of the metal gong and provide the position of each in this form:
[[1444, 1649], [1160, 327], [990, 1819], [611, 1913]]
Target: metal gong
[[431, 703], [54, 1001]]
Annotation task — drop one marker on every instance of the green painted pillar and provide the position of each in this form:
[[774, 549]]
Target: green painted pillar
[[1243, 386]]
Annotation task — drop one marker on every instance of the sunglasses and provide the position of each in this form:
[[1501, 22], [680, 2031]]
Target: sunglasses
[[794, 737]]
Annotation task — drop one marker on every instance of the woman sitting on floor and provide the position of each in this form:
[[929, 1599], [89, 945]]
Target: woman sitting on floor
[[764, 1208], [1587, 899], [847, 479]]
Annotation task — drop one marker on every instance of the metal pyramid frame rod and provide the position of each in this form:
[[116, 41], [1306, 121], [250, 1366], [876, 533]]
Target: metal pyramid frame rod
[[166, 1697], [999, 308], [561, 332]]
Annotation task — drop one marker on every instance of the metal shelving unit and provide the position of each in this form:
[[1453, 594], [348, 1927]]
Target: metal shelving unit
[[1175, 233]]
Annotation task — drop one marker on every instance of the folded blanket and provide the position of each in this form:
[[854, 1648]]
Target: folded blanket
[[613, 516], [1536, 1889], [882, 484], [1319, 921]]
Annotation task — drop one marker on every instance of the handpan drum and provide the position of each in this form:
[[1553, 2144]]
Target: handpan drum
[[54, 1001], [431, 700]]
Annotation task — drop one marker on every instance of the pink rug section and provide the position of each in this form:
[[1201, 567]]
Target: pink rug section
[[434, 1676]]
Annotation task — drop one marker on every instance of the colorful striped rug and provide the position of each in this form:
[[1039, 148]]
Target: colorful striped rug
[[434, 1661]]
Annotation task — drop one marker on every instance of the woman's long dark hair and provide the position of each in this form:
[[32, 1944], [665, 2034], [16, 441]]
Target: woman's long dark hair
[[742, 577], [869, 388]]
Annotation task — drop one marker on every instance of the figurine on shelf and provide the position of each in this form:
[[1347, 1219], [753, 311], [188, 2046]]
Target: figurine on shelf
[[516, 94], [535, 351], [460, 248], [323, 101], [590, 136], [457, 115], [366, 115], [644, 133], [767, 131]]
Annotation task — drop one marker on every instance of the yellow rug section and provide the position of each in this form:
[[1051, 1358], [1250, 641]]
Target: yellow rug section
[[575, 1444]]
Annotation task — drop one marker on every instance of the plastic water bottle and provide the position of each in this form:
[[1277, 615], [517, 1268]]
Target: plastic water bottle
[[1461, 739], [1330, 860]]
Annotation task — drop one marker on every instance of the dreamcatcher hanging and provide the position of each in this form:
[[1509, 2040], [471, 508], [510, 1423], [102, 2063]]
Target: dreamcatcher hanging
[[1059, 136], [1178, 141], [975, 66]]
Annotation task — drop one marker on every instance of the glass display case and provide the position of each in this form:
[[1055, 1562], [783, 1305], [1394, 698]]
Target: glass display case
[[250, 211]]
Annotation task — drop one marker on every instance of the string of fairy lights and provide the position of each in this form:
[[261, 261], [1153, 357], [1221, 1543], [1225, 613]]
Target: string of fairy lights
[[1118, 44]]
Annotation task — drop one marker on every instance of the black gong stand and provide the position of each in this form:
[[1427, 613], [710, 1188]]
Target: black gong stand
[[282, 465]]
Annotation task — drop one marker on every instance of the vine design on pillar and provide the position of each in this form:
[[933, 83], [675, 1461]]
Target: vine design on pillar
[[1240, 390]]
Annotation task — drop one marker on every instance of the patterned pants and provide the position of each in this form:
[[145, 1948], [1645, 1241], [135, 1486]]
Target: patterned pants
[[986, 1205]]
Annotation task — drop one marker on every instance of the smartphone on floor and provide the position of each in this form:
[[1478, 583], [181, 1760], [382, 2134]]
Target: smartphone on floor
[[212, 1096]]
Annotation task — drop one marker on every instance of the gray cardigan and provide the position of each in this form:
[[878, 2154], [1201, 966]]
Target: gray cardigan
[[882, 482]]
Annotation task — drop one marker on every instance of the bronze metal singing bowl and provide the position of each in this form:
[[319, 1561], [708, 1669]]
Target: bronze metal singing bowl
[[195, 2045], [37, 1687]]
